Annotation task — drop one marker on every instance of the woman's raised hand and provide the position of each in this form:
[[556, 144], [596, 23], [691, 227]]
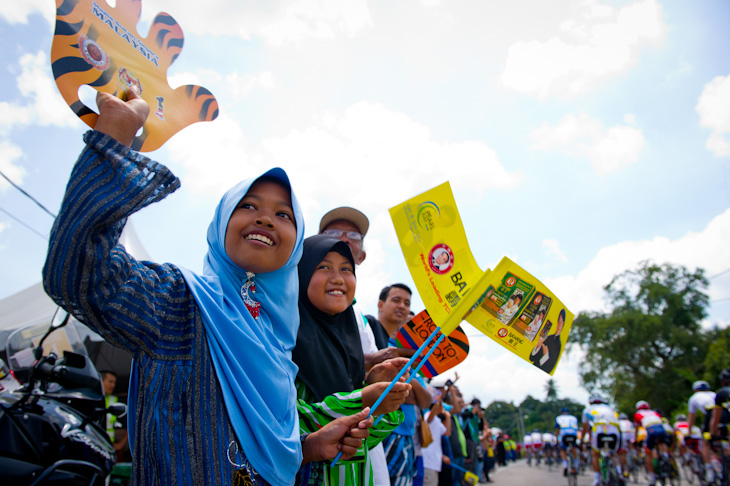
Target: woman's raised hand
[[121, 119]]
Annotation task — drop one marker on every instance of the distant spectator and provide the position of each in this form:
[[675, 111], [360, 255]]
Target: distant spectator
[[439, 421]]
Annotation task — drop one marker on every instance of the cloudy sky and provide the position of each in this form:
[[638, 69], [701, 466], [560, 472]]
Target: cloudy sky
[[579, 137]]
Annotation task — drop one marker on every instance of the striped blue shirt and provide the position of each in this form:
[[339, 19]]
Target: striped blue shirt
[[178, 424]]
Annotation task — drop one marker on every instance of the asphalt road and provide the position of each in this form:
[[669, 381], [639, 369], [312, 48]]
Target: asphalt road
[[519, 473]]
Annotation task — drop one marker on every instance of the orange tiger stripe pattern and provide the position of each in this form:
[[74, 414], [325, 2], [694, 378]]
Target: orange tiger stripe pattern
[[98, 45]]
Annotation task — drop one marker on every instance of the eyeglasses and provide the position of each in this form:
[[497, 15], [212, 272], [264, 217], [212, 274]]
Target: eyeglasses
[[353, 235]]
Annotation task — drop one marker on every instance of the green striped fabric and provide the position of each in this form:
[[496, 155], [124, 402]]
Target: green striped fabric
[[357, 471]]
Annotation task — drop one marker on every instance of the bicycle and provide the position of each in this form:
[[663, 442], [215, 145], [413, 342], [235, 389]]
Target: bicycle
[[549, 460], [634, 464], [641, 458], [585, 460], [666, 469], [694, 466], [573, 455], [719, 445], [607, 460]]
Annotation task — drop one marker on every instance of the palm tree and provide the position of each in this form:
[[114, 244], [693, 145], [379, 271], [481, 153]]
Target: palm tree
[[551, 390]]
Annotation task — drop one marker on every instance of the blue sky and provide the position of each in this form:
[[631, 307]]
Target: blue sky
[[579, 137]]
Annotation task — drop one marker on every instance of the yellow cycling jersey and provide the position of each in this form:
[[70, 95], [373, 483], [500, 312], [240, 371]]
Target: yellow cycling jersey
[[641, 434]]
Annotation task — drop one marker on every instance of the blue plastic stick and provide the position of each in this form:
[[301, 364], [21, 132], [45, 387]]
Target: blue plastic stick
[[395, 380], [418, 368]]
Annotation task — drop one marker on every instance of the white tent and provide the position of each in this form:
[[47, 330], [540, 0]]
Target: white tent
[[32, 304]]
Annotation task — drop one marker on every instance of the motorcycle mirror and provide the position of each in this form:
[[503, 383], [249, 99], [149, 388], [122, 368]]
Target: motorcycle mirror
[[60, 319], [117, 409]]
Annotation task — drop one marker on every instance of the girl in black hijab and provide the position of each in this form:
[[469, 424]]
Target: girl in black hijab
[[332, 381]]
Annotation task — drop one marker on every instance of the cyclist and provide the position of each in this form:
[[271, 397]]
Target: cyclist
[[702, 401], [566, 429], [640, 438], [681, 427], [721, 412], [628, 437], [527, 440], [656, 435], [602, 422], [671, 438], [548, 446], [537, 445], [681, 433]]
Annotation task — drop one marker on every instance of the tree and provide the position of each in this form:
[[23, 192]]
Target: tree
[[541, 415], [650, 345], [504, 416], [718, 357], [551, 390]]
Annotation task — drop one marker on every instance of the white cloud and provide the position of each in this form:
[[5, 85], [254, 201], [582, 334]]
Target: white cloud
[[367, 145], [9, 153], [13, 114], [620, 146], [213, 155], [18, 12], [389, 150], [514, 378], [277, 22], [580, 135], [44, 106], [601, 43], [367, 157], [241, 86], [707, 249], [714, 110], [553, 248]]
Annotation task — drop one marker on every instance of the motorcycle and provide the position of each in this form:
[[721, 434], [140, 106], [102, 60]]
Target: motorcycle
[[53, 426]]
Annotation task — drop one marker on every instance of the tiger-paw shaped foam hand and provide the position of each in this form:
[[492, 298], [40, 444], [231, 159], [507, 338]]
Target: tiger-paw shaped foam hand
[[98, 45]]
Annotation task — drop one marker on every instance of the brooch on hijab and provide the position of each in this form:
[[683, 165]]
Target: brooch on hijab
[[249, 286]]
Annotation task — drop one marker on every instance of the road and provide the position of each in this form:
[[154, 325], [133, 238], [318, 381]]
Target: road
[[519, 473]]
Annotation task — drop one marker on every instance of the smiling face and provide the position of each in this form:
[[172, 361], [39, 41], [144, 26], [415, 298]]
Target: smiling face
[[355, 245], [332, 286], [393, 311], [262, 231]]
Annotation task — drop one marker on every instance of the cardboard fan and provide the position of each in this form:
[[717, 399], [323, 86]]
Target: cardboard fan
[[98, 45], [448, 353]]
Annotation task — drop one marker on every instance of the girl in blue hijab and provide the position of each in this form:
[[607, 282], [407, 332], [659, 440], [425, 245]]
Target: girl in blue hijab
[[212, 397]]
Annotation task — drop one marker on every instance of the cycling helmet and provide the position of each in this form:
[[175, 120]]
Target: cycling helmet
[[642, 405], [623, 416], [725, 375], [700, 385], [681, 417], [596, 398], [564, 410]]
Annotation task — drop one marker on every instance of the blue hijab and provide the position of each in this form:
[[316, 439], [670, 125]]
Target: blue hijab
[[252, 357]]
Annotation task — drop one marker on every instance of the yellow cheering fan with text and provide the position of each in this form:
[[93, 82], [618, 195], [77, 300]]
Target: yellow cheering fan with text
[[507, 304]]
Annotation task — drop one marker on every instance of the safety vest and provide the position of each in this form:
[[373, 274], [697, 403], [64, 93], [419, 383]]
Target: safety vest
[[110, 419]]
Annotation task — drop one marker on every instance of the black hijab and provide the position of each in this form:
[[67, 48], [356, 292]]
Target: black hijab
[[328, 350]]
